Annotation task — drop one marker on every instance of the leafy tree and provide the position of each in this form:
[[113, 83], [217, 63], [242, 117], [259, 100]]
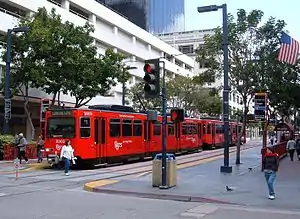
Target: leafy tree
[[281, 80], [182, 92], [253, 47], [62, 58]]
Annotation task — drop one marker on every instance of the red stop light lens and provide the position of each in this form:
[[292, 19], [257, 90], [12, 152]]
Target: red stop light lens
[[174, 115], [147, 68]]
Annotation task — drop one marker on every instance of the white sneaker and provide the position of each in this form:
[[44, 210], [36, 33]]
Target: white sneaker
[[67, 174], [272, 197]]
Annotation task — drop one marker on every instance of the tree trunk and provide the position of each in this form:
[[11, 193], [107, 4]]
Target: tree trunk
[[240, 134], [53, 99], [58, 98]]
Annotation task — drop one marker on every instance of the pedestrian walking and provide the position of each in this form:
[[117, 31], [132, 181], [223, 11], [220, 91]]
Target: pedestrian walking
[[298, 148], [39, 148], [272, 140], [22, 148], [67, 154], [270, 166], [290, 147]]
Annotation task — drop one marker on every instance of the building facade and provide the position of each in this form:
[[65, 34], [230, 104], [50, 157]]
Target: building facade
[[187, 42], [155, 16], [111, 31]]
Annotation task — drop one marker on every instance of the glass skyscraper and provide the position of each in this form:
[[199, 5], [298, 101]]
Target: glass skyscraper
[[155, 16]]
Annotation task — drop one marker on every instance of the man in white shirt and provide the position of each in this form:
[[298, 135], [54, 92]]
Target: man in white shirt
[[290, 147]]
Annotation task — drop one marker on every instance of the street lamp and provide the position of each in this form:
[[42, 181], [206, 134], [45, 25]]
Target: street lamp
[[7, 101], [225, 168], [123, 84]]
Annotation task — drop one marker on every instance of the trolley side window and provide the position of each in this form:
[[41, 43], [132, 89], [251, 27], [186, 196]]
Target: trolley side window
[[103, 131], [209, 129], [240, 129], [219, 129], [115, 127], [194, 129], [85, 127], [171, 129], [137, 128], [199, 131], [204, 129], [126, 127], [157, 128]]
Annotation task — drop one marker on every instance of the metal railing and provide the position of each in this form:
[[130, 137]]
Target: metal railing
[[10, 13]]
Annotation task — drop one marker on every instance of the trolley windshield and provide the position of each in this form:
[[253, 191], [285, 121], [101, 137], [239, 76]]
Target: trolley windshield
[[61, 128]]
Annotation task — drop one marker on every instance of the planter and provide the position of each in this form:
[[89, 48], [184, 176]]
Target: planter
[[10, 152]]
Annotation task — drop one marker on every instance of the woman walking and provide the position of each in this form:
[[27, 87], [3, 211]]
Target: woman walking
[[270, 166], [67, 154]]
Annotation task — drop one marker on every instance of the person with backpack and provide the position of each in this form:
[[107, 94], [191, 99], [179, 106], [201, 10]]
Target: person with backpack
[[270, 164], [290, 147], [22, 148]]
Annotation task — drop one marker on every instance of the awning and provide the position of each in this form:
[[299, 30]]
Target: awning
[[284, 127]]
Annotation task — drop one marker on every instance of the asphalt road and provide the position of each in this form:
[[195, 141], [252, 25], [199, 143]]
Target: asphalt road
[[49, 194]]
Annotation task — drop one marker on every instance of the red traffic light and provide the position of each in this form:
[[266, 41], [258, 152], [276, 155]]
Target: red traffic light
[[148, 68], [174, 115], [177, 115]]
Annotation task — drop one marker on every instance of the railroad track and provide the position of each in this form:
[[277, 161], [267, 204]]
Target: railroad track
[[124, 170]]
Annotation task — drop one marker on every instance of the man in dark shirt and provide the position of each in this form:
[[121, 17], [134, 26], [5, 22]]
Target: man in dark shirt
[[270, 165]]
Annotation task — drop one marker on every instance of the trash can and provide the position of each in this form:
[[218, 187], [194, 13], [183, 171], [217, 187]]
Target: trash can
[[171, 170]]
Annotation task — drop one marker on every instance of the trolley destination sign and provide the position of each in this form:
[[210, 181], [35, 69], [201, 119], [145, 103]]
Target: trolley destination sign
[[62, 113]]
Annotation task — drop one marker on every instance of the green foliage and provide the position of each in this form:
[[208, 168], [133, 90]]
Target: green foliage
[[7, 139], [253, 66], [182, 92], [279, 79], [62, 58]]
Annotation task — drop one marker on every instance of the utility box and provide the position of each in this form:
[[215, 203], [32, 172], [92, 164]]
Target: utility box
[[171, 171]]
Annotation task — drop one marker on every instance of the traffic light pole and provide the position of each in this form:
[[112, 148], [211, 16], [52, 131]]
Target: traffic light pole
[[164, 131]]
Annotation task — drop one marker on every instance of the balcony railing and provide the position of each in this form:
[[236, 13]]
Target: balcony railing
[[10, 13]]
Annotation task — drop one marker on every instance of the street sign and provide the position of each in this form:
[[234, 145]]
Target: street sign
[[7, 109]]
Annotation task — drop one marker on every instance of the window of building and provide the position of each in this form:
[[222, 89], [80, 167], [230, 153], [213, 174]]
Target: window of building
[[137, 128], [186, 49], [115, 127], [56, 2], [79, 12], [127, 128], [11, 10], [85, 127]]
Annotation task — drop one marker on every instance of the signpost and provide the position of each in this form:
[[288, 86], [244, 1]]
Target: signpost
[[17, 166], [7, 109]]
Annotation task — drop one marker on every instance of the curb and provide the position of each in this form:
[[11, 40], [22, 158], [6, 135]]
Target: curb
[[183, 198], [27, 168]]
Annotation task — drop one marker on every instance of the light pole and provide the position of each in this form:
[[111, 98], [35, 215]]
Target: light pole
[[7, 101], [124, 83], [225, 168]]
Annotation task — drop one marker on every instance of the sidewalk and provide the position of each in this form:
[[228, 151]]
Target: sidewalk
[[212, 211], [9, 166], [205, 183]]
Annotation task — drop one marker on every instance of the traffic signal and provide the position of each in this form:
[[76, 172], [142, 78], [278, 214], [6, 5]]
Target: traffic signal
[[151, 78], [177, 115], [260, 106]]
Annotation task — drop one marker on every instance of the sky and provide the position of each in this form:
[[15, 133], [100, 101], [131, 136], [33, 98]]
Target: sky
[[287, 10]]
